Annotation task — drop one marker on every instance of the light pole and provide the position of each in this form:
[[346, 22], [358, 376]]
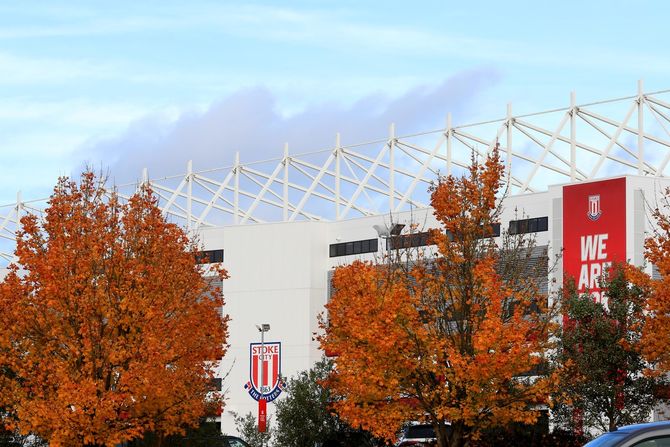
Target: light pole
[[262, 328], [262, 410]]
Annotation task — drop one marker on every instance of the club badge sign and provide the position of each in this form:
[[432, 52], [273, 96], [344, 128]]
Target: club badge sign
[[594, 231], [265, 380]]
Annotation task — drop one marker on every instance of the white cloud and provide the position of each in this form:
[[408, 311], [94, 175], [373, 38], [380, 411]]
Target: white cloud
[[249, 121]]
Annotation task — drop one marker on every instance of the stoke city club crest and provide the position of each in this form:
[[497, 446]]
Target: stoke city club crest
[[594, 212], [265, 379]]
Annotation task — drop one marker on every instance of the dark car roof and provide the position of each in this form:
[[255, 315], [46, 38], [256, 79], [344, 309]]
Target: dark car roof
[[640, 428], [630, 433]]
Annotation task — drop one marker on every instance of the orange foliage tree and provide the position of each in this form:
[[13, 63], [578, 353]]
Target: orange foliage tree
[[655, 342], [107, 327], [447, 336]]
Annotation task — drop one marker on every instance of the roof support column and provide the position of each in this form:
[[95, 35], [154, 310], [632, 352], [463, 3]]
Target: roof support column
[[573, 137], [640, 127]]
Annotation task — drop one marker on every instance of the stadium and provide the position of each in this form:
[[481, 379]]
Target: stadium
[[581, 178]]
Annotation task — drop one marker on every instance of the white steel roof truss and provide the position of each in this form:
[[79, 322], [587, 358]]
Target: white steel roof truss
[[317, 193], [363, 183], [315, 182], [629, 129], [221, 198], [562, 139], [519, 125], [547, 149], [488, 143], [356, 181], [460, 137], [215, 196], [658, 101], [331, 190], [262, 192], [7, 220], [380, 164], [534, 139], [157, 189], [664, 163], [419, 175], [372, 168], [605, 154], [383, 182], [420, 161], [175, 193], [278, 204], [272, 202], [174, 205], [296, 163]]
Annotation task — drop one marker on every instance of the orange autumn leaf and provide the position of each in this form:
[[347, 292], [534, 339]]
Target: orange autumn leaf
[[655, 341], [107, 327], [444, 338]]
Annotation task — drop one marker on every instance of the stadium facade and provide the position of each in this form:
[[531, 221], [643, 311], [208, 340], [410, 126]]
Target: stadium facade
[[579, 178], [280, 271]]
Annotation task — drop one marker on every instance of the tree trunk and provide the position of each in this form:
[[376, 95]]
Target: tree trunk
[[442, 435], [612, 417], [459, 436]]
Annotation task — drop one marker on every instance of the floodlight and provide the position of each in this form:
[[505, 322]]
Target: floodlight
[[382, 230]]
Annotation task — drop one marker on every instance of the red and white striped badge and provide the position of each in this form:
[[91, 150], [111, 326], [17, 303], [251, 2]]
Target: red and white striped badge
[[265, 379], [594, 211]]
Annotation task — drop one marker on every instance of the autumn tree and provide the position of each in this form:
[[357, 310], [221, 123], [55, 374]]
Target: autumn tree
[[656, 335], [108, 329], [603, 384], [447, 335]]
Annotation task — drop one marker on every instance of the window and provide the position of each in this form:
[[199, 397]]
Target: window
[[532, 225], [215, 384], [495, 229], [661, 441], [213, 283], [209, 256], [422, 239], [353, 248], [407, 240], [655, 273]]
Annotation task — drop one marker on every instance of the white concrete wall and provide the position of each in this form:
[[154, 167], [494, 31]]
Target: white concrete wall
[[276, 277]]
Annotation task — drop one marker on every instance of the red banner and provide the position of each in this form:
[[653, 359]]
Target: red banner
[[594, 231], [262, 415]]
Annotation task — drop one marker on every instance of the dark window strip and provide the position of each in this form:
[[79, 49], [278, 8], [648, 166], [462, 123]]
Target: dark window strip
[[215, 384], [209, 256], [495, 229], [532, 225], [353, 248], [422, 239], [408, 240]]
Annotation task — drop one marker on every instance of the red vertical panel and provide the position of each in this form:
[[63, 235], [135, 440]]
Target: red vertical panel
[[254, 370], [275, 369], [262, 415], [594, 231]]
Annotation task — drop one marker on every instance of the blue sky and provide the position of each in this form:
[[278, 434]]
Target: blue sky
[[127, 84]]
